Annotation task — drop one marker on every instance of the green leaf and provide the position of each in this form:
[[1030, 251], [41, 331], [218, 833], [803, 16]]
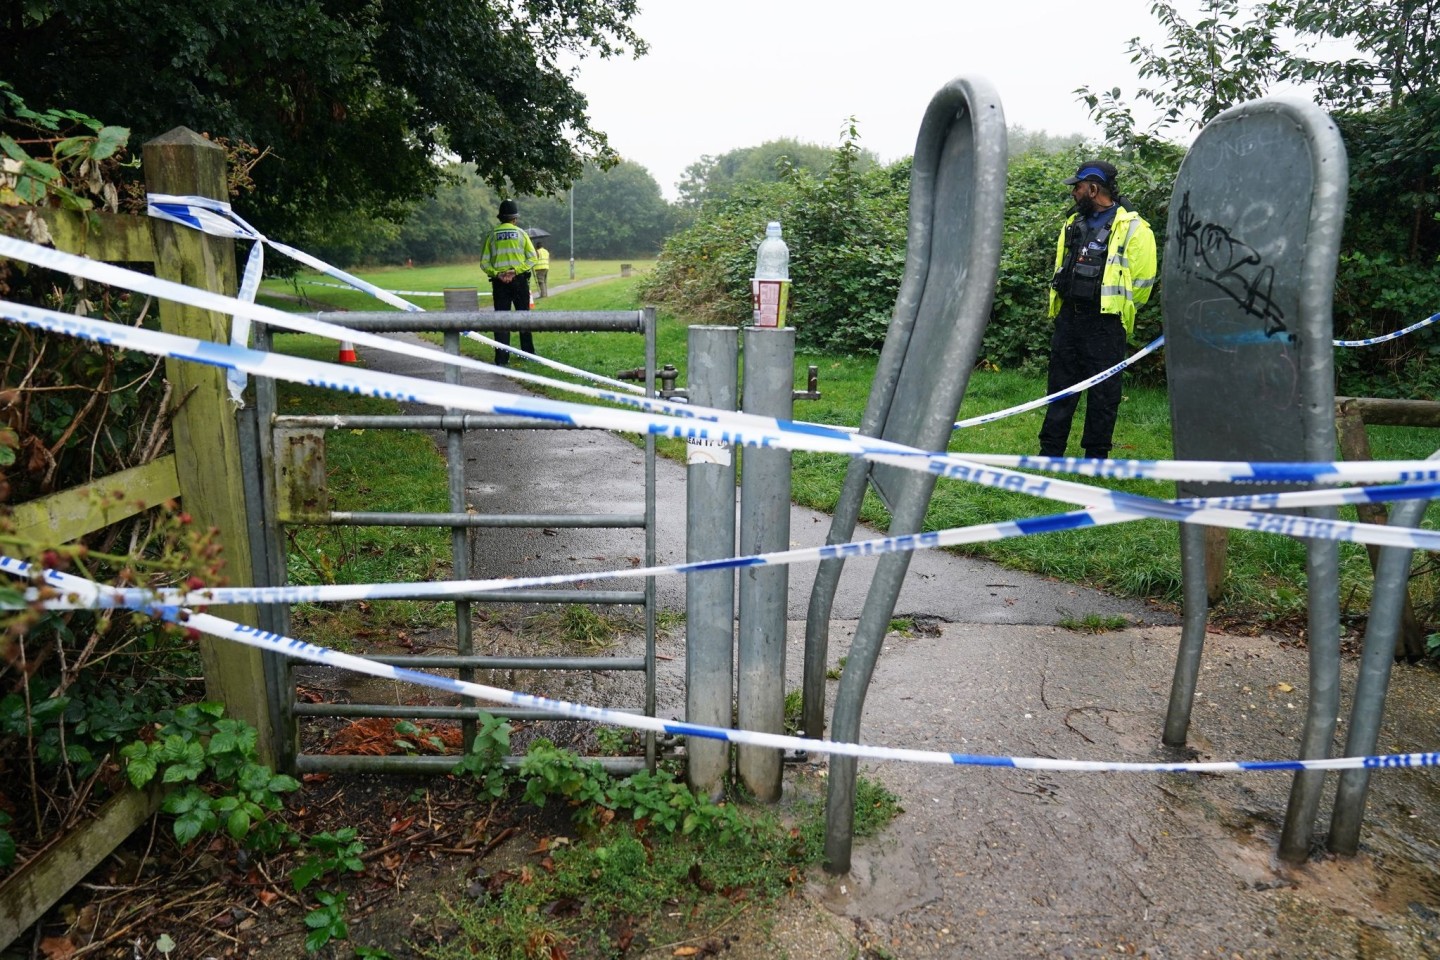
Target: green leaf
[[140, 771], [12, 149], [319, 919], [188, 827], [238, 824], [305, 874], [109, 140], [7, 848]]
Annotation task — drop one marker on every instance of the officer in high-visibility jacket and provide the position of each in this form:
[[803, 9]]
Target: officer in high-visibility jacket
[[507, 258], [542, 269], [1104, 269]]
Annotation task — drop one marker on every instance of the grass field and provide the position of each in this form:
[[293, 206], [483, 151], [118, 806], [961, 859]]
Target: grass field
[[1139, 558]]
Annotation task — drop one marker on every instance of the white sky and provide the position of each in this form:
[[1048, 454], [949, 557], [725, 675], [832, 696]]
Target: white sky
[[739, 73]]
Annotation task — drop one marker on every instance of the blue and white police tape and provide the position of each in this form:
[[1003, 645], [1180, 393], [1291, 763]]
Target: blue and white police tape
[[1389, 336], [1370, 471], [170, 598], [215, 217], [1199, 471], [112, 275], [1071, 391], [1150, 348], [399, 293], [299, 649], [782, 436]]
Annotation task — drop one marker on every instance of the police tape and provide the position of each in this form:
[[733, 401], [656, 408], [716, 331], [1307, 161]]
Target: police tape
[[1198, 471], [1071, 391], [301, 650], [116, 597], [781, 436], [1389, 336], [216, 218], [112, 275], [399, 293], [1144, 352]]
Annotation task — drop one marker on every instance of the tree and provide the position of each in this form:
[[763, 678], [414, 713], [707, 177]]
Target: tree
[[1386, 102], [350, 100], [714, 178], [619, 212]]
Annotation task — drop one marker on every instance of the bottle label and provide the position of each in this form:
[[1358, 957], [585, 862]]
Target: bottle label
[[770, 297]]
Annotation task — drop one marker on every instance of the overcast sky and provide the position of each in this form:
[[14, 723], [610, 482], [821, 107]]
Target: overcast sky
[[738, 73]]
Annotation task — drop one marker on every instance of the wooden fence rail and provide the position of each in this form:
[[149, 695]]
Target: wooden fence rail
[[204, 472]]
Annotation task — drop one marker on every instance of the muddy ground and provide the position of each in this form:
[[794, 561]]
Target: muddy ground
[[1007, 863]]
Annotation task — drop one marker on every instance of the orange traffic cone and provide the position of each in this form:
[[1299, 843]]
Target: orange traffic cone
[[347, 352], [532, 299]]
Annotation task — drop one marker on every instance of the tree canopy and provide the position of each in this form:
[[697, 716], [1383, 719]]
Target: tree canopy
[[1386, 102], [715, 178], [619, 212], [350, 102]]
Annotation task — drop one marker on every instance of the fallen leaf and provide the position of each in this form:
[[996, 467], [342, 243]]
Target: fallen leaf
[[686, 951], [400, 825], [1284, 687], [267, 897], [57, 948]]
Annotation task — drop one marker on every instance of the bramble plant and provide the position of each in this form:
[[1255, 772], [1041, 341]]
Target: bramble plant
[[485, 761], [337, 852], [242, 795], [326, 922]]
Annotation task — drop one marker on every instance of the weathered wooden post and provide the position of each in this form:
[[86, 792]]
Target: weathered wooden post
[[207, 444]]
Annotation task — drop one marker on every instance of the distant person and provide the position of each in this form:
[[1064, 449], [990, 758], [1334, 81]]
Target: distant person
[[542, 269], [1104, 269], [507, 258]]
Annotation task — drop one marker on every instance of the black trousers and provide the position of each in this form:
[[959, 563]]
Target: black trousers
[[514, 295], [1081, 347]]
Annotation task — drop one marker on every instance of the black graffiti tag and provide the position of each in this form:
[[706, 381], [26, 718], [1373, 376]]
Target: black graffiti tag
[[1234, 266]]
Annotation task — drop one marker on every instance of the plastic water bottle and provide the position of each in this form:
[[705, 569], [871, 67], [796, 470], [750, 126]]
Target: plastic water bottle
[[772, 260], [772, 276]]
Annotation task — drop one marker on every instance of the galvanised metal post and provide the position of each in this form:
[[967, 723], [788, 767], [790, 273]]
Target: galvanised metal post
[[1192, 634], [714, 358], [957, 199], [1382, 630], [1251, 249], [459, 299], [769, 390]]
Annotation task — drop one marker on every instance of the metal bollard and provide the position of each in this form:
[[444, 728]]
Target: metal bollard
[[764, 591], [710, 535]]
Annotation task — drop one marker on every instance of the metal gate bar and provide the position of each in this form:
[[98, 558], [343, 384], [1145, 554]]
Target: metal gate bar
[[285, 705]]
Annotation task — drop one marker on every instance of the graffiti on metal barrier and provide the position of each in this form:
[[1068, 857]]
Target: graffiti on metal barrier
[[1212, 252]]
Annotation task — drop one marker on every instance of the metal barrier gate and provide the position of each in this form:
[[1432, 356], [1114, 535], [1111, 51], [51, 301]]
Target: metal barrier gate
[[283, 450]]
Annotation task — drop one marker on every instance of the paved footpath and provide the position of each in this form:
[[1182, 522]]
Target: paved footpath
[[996, 863]]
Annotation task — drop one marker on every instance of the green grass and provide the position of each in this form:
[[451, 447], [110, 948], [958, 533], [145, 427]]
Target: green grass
[[625, 879], [1095, 623], [306, 284], [369, 470]]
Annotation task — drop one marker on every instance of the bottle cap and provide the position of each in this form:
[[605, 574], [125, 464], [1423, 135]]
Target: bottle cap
[[772, 229]]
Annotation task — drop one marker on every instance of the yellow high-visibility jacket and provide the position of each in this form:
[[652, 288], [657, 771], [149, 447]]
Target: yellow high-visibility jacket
[[1129, 267]]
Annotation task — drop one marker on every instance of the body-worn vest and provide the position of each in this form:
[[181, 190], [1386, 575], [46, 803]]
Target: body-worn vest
[[1126, 275], [507, 247]]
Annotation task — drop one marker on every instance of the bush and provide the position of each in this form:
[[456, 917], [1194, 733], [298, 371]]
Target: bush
[[847, 236], [846, 233]]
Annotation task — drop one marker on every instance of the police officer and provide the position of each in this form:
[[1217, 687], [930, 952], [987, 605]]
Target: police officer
[[507, 258], [1104, 269], [542, 269]]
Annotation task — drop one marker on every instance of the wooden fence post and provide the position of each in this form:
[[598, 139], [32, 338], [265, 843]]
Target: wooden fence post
[[207, 445]]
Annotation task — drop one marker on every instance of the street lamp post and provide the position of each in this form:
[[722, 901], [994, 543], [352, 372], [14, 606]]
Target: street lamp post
[[572, 231]]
